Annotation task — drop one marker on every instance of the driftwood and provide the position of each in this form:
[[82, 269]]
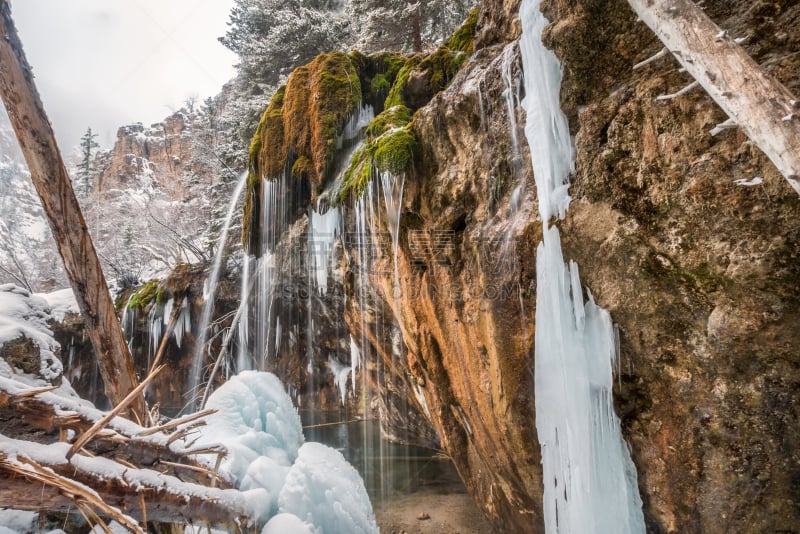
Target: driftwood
[[53, 184], [763, 107], [151, 474]]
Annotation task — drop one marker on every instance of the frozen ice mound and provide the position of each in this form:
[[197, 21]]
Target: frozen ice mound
[[310, 486], [326, 491]]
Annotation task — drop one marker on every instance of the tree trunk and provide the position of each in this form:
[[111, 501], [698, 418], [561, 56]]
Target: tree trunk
[[416, 30], [764, 109], [54, 187]]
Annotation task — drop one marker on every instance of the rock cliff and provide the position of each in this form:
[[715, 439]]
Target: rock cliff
[[693, 256]]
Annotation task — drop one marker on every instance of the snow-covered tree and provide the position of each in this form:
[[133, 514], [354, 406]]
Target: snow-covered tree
[[404, 24], [86, 168], [272, 37]]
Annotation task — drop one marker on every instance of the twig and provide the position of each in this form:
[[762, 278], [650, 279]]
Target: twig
[[86, 436], [143, 508], [655, 57], [321, 425], [177, 422], [727, 125], [27, 394], [195, 468], [695, 84]]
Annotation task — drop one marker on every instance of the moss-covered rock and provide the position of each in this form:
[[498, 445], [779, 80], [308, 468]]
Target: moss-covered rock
[[394, 151], [146, 295], [463, 39], [395, 97], [423, 76], [304, 118], [391, 146], [394, 117]]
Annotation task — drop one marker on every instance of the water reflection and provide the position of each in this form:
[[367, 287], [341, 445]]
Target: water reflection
[[389, 470]]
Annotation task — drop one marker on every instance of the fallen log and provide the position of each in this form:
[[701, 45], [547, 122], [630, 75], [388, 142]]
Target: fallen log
[[24, 467], [125, 471]]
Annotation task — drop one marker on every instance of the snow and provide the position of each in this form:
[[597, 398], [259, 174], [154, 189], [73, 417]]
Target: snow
[[326, 491], [589, 479], [287, 524], [17, 520], [259, 426], [25, 316], [60, 302]]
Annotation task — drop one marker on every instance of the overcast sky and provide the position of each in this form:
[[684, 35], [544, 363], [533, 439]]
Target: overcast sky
[[107, 63]]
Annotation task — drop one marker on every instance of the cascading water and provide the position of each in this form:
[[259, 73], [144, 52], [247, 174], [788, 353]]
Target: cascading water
[[589, 478], [211, 290], [392, 187]]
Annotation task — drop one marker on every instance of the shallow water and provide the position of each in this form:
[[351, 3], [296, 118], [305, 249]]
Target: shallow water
[[390, 471]]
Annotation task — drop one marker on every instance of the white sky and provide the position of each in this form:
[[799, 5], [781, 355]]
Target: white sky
[[107, 63]]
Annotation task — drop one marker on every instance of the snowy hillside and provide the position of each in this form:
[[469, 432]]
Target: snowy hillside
[[26, 255]]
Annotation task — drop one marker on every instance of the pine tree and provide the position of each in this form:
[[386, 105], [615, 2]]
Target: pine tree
[[86, 167], [404, 24], [272, 37]]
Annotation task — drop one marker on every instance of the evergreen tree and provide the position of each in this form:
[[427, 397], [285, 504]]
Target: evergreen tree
[[272, 37], [86, 167], [404, 24]]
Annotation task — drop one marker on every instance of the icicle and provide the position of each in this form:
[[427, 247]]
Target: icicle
[[340, 374], [355, 355], [589, 478], [393, 200], [184, 322], [323, 230]]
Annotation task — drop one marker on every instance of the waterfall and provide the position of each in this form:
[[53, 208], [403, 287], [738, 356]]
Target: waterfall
[[392, 187], [323, 229], [211, 291], [589, 478]]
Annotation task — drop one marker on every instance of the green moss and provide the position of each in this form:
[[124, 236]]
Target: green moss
[[394, 117], [432, 73], [335, 95], [442, 66], [379, 83], [395, 97], [272, 151], [390, 146], [301, 167], [357, 176], [463, 39], [395, 151], [144, 296]]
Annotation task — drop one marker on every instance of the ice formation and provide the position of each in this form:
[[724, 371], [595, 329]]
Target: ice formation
[[324, 227], [324, 490], [589, 478], [310, 486]]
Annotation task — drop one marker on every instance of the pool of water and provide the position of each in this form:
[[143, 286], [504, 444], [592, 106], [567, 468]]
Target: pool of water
[[389, 470]]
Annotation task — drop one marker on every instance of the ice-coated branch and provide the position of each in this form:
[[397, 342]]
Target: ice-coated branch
[[691, 86], [751, 97], [655, 57], [721, 127]]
